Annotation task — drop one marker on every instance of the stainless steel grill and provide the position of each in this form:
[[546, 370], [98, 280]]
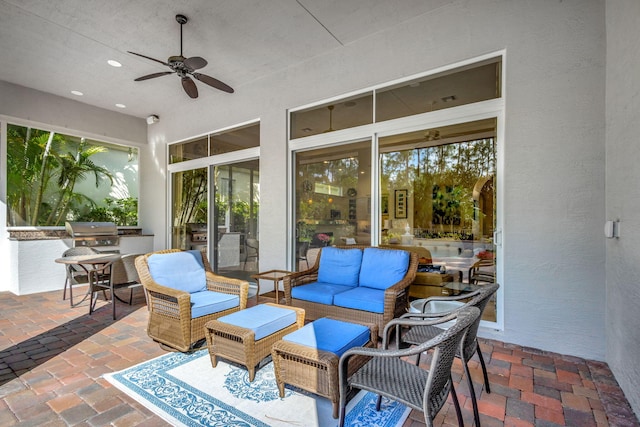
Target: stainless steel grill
[[102, 236]]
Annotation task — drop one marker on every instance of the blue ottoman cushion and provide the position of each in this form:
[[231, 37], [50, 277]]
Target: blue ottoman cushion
[[330, 335], [262, 319], [208, 302]]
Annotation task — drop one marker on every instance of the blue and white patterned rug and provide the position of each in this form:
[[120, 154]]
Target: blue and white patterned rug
[[185, 390]]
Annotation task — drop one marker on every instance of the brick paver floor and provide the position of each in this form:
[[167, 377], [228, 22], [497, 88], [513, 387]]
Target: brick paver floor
[[52, 358]]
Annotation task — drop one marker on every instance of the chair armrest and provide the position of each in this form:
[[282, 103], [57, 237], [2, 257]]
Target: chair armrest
[[414, 319], [228, 285], [299, 278], [460, 297]]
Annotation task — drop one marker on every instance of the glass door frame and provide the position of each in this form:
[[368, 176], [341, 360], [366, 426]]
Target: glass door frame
[[466, 113], [210, 163]]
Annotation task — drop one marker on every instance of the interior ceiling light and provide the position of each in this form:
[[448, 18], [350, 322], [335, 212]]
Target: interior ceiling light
[[432, 135], [114, 63], [121, 106], [77, 92], [448, 98]]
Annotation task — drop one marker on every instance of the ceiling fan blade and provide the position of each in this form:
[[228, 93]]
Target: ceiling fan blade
[[152, 76], [148, 57], [213, 82], [190, 87], [195, 63]]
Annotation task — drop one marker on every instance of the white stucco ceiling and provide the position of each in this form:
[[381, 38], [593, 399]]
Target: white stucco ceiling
[[63, 45]]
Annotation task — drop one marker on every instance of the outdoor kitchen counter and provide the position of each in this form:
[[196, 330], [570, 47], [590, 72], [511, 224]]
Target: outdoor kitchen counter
[[32, 253]]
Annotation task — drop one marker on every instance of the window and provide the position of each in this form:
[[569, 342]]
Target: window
[[333, 204], [216, 207], [54, 177], [216, 143]]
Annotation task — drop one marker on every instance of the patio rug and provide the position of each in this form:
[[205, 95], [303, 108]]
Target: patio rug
[[185, 390]]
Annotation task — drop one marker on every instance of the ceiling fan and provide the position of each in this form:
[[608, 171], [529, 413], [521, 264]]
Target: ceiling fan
[[185, 67]]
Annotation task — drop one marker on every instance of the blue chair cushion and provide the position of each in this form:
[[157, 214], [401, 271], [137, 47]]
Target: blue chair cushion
[[361, 298], [209, 302], [340, 266], [262, 319], [330, 335], [383, 268], [321, 293], [179, 270]]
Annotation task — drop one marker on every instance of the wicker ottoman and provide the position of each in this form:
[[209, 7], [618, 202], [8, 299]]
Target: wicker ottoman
[[233, 336], [313, 366]]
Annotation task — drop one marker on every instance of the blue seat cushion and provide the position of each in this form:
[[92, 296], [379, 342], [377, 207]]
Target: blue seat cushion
[[361, 298], [383, 268], [340, 266], [179, 270], [319, 292], [262, 319], [330, 335], [209, 302]]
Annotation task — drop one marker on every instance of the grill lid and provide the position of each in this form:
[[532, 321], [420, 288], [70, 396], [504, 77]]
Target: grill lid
[[91, 229]]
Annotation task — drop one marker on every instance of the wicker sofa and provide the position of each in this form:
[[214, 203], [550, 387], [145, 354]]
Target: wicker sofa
[[338, 287]]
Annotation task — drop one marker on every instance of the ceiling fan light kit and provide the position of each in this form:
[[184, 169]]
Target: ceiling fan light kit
[[185, 68]]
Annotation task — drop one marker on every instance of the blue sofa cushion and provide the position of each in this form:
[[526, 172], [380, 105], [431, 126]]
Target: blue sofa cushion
[[319, 292], [262, 319], [383, 268], [330, 335], [361, 298], [179, 270], [209, 302], [340, 266]]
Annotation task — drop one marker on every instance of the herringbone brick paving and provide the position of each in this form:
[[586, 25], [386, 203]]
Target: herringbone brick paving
[[52, 358]]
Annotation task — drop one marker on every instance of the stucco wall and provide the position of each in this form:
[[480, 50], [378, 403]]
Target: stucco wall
[[553, 179], [623, 196]]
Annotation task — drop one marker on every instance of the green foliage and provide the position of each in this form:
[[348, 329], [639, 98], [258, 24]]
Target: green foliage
[[120, 211], [43, 168]]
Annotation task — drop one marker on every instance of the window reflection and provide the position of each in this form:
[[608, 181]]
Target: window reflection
[[332, 198]]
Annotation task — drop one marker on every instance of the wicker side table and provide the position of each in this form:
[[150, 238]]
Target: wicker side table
[[238, 344], [314, 370]]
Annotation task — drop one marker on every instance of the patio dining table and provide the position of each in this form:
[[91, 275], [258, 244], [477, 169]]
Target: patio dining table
[[93, 265]]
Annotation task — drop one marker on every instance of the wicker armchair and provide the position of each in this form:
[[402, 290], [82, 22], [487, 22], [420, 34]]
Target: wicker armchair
[[170, 320], [388, 375], [396, 298], [419, 334]]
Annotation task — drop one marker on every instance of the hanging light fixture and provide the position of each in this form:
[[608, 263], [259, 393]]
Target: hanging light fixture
[[330, 107]]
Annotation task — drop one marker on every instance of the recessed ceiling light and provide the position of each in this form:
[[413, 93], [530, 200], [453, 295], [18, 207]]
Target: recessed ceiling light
[[77, 92], [114, 63], [121, 106]]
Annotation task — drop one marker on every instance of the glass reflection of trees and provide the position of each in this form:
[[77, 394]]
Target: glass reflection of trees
[[442, 179]]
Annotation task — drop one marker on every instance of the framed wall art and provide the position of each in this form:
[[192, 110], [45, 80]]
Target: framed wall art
[[401, 204]]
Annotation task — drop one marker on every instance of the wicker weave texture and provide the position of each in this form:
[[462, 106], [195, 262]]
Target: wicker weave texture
[[238, 344], [396, 298], [387, 374], [314, 370], [170, 319]]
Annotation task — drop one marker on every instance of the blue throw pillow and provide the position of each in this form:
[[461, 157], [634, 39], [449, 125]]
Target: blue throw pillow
[[383, 268], [179, 270], [340, 266]]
